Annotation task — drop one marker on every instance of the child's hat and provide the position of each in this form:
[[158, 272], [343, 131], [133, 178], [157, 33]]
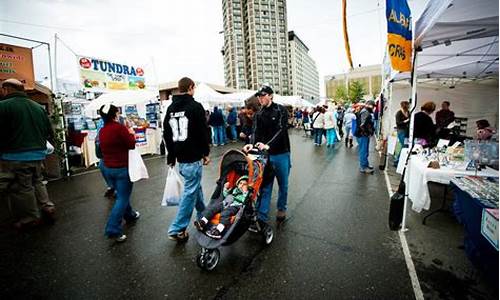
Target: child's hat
[[244, 177]]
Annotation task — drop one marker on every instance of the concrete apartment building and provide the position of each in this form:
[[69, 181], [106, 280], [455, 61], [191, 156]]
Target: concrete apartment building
[[256, 44], [369, 76], [304, 76]]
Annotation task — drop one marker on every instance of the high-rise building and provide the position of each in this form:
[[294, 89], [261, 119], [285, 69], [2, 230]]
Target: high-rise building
[[256, 44], [304, 76]]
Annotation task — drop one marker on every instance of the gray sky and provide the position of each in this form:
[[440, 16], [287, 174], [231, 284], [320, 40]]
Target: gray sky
[[181, 38]]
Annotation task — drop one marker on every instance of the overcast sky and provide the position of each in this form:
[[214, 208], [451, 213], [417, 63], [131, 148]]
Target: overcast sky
[[181, 38]]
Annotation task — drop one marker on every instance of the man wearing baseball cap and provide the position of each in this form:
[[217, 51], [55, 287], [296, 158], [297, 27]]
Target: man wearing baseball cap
[[23, 147], [270, 132]]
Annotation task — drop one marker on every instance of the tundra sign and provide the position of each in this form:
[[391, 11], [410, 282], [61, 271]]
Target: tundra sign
[[100, 75]]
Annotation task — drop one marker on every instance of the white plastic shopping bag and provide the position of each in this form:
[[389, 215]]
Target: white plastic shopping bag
[[173, 188], [136, 168]]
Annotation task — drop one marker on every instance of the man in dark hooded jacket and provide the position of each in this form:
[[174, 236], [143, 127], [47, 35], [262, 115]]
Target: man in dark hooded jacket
[[186, 137]]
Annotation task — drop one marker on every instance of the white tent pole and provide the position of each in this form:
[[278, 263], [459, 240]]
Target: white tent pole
[[412, 121]]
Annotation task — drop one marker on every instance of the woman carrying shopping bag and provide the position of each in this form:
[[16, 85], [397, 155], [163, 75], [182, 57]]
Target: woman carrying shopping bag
[[115, 141]]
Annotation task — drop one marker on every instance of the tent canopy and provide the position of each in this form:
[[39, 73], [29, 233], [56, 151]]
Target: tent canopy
[[121, 98], [459, 39]]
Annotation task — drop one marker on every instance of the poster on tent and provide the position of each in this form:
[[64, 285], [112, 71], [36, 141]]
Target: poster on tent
[[17, 62], [399, 34], [100, 76]]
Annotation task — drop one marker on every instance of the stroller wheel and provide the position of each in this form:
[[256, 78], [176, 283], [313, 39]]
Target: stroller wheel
[[268, 235], [208, 259]]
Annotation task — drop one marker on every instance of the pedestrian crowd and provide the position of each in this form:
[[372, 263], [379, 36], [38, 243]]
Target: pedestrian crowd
[[189, 133]]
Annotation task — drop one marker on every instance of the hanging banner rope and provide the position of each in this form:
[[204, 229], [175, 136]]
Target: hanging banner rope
[[346, 37], [399, 34]]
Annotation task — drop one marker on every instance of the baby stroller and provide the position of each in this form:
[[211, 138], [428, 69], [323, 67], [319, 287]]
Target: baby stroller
[[235, 164]]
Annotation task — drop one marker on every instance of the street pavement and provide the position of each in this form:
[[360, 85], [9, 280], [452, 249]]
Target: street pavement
[[335, 244]]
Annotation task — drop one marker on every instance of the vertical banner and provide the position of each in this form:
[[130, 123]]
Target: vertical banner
[[399, 34], [346, 36], [17, 62]]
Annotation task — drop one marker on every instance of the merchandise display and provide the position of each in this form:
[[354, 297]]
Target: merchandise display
[[482, 188]]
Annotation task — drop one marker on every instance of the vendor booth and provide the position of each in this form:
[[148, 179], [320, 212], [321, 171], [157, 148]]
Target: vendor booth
[[140, 109], [456, 60]]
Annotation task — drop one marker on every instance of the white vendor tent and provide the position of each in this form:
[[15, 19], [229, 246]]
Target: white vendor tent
[[458, 61], [121, 98], [456, 42]]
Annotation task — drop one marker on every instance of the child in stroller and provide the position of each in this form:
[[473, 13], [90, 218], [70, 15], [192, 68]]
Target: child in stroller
[[233, 200]]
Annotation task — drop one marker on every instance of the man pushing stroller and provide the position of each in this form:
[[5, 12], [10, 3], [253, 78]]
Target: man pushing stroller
[[234, 197]]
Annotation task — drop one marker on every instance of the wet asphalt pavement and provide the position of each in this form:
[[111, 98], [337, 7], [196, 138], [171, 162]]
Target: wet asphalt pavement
[[335, 244]]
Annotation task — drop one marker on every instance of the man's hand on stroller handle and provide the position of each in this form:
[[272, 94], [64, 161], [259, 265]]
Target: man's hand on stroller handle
[[258, 145]]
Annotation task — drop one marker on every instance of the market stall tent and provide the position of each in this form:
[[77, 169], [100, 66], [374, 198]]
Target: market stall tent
[[458, 61], [458, 38], [456, 41], [120, 99]]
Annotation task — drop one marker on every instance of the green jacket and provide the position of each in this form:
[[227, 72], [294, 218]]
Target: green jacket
[[24, 124]]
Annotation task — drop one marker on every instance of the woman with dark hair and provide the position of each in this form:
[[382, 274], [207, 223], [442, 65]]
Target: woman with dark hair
[[484, 131], [423, 127], [115, 142], [403, 126]]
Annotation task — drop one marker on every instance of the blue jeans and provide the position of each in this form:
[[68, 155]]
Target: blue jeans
[[401, 140], [281, 165], [318, 135], [192, 196], [331, 136], [234, 134], [120, 180], [219, 136], [363, 146], [108, 183]]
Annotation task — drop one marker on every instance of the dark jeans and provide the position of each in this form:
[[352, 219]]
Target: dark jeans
[[20, 187], [225, 213], [318, 135], [120, 180]]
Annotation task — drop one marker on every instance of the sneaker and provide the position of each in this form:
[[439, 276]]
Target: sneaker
[[280, 216], [214, 233], [122, 238], [366, 171], [134, 218], [180, 237], [370, 167], [110, 193], [200, 225]]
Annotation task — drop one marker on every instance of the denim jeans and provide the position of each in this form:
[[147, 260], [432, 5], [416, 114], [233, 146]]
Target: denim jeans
[[281, 165], [401, 140], [331, 136], [363, 146], [101, 165], [192, 196], [120, 180], [218, 135], [318, 135], [234, 134]]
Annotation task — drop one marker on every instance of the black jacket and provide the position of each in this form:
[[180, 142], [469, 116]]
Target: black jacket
[[364, 124], [270, 126], [216, 118], [424, 128], [401, 124], [185, 130]]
